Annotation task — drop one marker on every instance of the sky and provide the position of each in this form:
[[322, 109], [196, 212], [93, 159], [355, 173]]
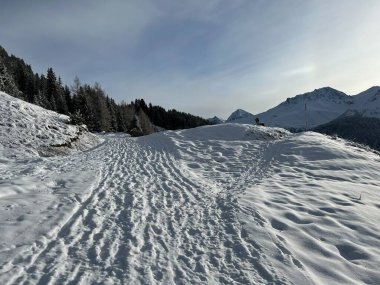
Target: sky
[[203, 57]]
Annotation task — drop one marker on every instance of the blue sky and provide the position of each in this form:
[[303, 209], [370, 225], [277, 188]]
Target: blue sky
[[203, 57]]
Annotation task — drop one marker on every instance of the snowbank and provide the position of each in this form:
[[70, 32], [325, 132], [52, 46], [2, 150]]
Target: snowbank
[[232, 132], [27, 130], [320, 205]]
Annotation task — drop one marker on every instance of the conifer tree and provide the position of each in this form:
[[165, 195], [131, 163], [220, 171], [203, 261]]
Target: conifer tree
[[51, 88], [7, 83]]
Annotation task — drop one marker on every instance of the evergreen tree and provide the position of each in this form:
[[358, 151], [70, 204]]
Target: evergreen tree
[[51, 89], [7, 83]]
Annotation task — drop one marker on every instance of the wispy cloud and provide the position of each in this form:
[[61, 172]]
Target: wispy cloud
[[303, 70]]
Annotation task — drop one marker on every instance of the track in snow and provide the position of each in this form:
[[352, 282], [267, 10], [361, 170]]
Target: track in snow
[[156, 214]]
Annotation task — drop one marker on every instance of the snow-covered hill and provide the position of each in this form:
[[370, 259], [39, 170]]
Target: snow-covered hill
[[215, 120], [27, 130], [241, 117], [322, 106], [224, 204]]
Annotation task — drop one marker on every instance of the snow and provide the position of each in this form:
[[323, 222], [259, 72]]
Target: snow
[[224, 204], [322, 106], [242, 117], [322, 202], [215, 120], [367, 103], [27, 130]]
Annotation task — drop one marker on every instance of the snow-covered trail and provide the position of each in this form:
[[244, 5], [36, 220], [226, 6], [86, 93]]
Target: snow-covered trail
[[148, 220], [214, 205]]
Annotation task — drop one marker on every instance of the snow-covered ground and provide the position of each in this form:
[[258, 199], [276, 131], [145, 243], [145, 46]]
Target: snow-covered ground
[[224, 204], [27, 130]]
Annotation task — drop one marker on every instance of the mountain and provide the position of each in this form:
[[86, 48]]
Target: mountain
[[367, 103], [314, 108], [322, 106], [242, 117], [215, 120]]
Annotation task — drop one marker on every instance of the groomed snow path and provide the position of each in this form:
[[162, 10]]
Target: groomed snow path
[[165, 209]]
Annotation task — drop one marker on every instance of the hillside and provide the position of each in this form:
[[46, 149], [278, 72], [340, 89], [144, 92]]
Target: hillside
[[223, 204], [27, 130], [354, 127]]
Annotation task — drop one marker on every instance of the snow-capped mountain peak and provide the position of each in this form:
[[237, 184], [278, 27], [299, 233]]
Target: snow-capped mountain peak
[[367, 103], [241, 116], [321, 106], [367, 94], [215, 120], [325, 94], [309, 109]]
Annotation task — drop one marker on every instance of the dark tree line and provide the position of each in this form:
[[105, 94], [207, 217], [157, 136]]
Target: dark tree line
[[87, 104], [171, 119], [356, 128]]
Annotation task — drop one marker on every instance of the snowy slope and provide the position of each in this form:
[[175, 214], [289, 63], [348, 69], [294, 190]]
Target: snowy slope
[[321, 201], [224, 204], [367, 103], [27, 130]]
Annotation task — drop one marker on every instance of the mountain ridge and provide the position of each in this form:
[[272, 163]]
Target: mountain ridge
[[241, 116], [314, 108]]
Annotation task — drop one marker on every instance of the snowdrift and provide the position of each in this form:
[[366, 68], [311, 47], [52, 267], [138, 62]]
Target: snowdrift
[[232, 132], [27, 130]]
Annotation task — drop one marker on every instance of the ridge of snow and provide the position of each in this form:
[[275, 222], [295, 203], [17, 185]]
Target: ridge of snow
[[27, 130], [232, 132]]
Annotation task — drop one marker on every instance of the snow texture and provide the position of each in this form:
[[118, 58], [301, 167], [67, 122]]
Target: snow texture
[[27, 130], [224, 204]]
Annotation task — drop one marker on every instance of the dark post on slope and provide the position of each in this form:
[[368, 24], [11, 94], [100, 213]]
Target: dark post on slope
[[305, 118], [258, 122]]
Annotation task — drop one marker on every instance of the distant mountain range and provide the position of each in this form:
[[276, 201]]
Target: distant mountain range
[[314, 108], [327, 111]]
